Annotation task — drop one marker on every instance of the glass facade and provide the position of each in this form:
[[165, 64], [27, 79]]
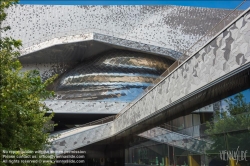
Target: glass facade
[[219, 136], [215, 135]]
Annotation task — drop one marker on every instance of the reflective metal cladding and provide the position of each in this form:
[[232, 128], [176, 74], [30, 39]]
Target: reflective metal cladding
[[116, 75]]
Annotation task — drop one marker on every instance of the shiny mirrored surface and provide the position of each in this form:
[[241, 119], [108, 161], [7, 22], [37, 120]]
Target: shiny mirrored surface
[[116, 75]]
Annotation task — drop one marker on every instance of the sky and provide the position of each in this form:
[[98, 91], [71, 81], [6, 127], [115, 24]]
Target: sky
[[225, 4], [246, 94]]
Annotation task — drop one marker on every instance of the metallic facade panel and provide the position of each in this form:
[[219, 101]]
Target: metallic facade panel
[[173, 27], [215, 60], [116, 75]]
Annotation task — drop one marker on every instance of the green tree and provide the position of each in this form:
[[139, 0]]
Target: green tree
[[229, 130], [22, 114]]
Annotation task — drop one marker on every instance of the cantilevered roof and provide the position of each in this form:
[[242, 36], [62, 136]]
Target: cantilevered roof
[[174, 28]]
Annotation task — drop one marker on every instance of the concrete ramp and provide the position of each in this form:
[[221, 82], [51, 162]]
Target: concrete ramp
[[79, 137], [176, 139]]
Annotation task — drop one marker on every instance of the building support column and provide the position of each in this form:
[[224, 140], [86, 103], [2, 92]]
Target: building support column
[[192, 161], [232, 162], [166, 161]]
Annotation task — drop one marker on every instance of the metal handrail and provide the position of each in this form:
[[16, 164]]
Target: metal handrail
[[173, 140], [169, 127], [180, 60], [98, 121]]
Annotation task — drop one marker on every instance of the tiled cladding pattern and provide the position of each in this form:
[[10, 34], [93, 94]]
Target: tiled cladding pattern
[[172, 27], [47, 70], [74, 106], [116, 75], [61, 106], [93, 107], [82, 137], [227, 52], [137, 45], [176, 139], [88, 35], [55, 41]]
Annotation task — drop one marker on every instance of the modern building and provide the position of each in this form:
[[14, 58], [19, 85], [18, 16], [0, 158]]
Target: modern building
[[138, 85]]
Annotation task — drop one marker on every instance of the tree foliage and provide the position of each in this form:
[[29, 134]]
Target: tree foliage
[[22, 114], [229, 130]]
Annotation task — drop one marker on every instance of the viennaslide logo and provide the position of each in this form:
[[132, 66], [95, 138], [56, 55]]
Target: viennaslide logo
[[236, 155]]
